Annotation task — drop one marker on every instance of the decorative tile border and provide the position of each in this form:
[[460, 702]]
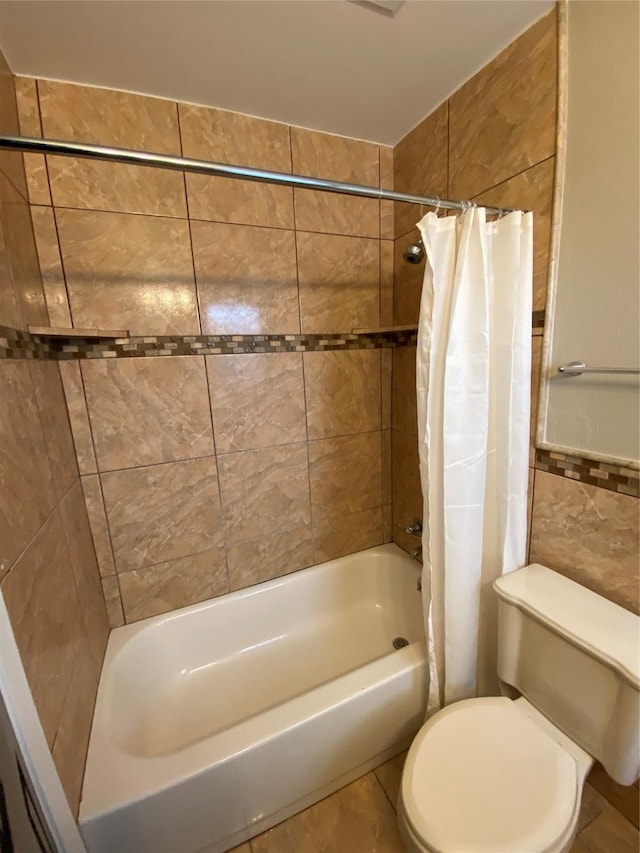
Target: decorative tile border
[[165, 345], [16, 343], [605, 475]]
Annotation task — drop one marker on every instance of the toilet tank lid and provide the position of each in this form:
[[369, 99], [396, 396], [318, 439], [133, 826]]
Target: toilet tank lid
[[603, 629]]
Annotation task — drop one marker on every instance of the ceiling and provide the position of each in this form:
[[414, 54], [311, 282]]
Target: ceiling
[[330, 65]]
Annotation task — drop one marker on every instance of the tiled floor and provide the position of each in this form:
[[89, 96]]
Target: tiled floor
[[361, 818]]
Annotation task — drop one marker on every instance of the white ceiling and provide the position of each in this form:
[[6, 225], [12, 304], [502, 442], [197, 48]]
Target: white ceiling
[[324, 64]]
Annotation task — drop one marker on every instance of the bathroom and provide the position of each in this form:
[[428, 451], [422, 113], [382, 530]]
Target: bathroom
[[136, 486]]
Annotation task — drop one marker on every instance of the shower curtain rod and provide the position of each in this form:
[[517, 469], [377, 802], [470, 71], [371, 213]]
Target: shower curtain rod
[[105, 153]]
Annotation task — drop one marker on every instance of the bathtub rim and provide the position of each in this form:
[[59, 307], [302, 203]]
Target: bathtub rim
[[105, 791], [120, 636]]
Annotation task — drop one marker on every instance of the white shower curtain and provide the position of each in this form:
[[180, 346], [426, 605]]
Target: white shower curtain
[[473, 388]]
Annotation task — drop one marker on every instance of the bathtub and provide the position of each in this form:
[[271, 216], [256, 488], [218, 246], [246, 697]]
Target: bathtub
[[219, 720]]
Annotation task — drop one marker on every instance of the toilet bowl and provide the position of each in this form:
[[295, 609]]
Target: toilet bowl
[[505, 775], [491, 776]]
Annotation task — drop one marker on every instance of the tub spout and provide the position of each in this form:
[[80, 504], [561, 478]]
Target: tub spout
[[417, 554]]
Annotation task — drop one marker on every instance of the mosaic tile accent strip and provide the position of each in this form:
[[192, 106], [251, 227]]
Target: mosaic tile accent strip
[[605, 475], [16, 343], [79, 348]]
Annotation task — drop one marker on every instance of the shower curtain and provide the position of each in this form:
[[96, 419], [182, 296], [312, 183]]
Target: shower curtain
[[473, 390]]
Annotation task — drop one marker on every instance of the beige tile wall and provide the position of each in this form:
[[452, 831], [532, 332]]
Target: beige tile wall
[[299, 473], [494, 141], [202, 475], [48, 571]]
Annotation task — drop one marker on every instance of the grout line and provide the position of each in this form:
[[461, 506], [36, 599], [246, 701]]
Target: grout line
[[81, 609], [408, 234], [215, 451], [306, 427], [44, 156], [104, 505], [191, 252], [62, 266], [295, 247], [155, 464], [41, 125], [448, 144], [34, 391], [31, 540], [383, 789], [279, 532], [172, 560], [23, 198], [530, 522], [200, 219], [88, 414], [511, 177]]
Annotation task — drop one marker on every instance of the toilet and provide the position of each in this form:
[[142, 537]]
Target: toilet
[[505, 774]]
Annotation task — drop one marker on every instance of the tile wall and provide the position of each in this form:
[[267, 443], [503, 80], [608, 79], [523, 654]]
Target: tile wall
[[48, 570], [493, 141], [208, 473]]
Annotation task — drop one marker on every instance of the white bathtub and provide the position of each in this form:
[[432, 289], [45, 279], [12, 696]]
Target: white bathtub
[[217, 721]]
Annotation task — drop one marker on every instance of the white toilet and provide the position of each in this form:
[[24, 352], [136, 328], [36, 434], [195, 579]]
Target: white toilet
[[505, 775]]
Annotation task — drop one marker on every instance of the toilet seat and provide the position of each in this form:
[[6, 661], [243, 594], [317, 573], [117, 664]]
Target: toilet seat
[[483, 777]]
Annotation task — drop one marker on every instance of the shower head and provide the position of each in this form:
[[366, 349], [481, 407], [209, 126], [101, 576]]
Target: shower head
[[414, 253]]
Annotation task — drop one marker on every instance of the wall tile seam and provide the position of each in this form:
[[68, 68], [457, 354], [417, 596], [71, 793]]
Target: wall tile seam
[[486, 189], [514, 175], [303, 369], [404, 432], [347, 435], [230, 453], [218, 486], [58, 207], [117, 598], [407, 235], [38, 531], [69, 428], [187, 105], [89, 467], [155, 464], [102, 509], [218, 548], [331, 516], [73, 573], [11, 182], [284, 532]]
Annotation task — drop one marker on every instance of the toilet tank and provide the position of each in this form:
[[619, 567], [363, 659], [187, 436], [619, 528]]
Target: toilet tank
[[576, 657]]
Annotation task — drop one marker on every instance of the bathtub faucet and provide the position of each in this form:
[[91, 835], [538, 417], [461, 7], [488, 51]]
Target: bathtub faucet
[[415, 529], [417, 554]]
